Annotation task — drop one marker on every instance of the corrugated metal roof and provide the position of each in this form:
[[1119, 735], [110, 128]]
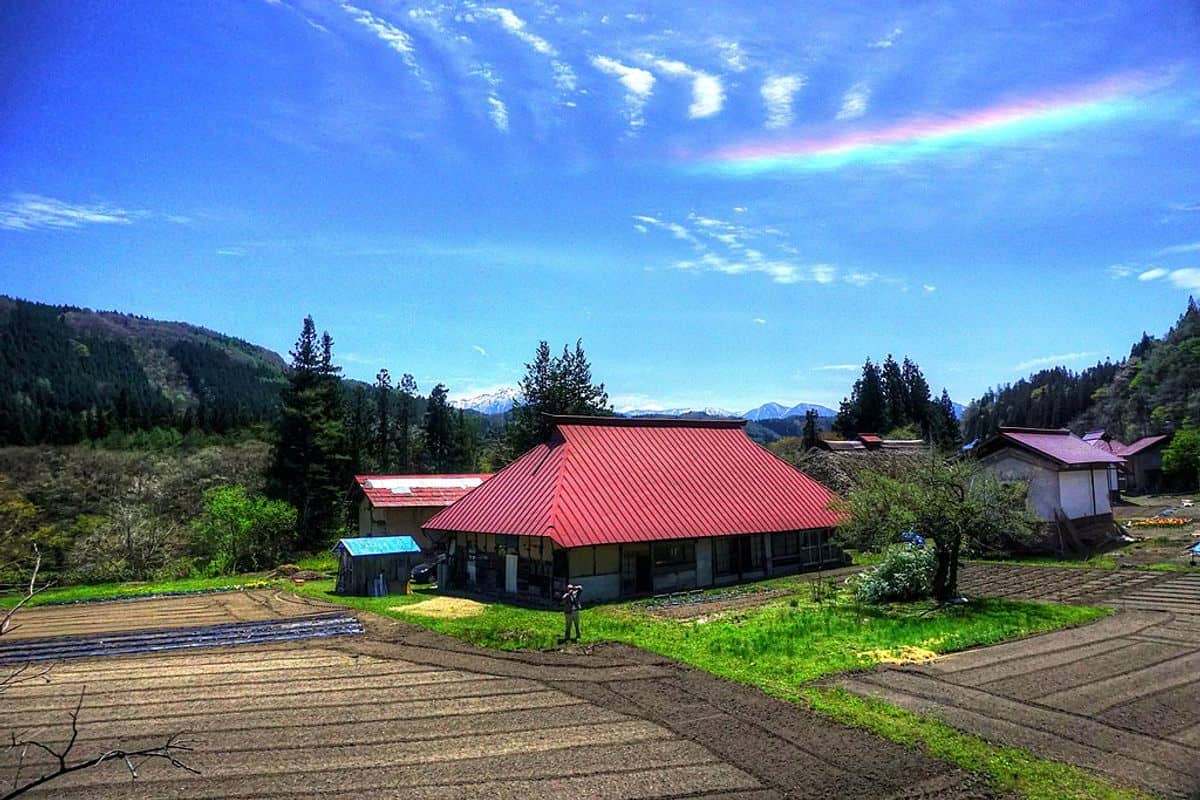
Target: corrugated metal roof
[[1142, 444], [1058, 445], [420, 491], [378, 545], [605, 480]]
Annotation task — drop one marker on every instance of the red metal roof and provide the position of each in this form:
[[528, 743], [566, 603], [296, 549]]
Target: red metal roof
[[602, 480], [417, 491], [1142, 444], [1108, 445], [1059, 445]]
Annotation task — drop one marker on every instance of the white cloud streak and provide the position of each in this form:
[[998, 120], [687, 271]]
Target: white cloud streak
[[837, 368], [1187, 278], [392, 36], [759, 321], [638, 83], [498, 112], [778, 93], [563, 73], [1153, 274], [886, 41], [1046, 361], [479, 350], [1190, 247], [854, 102], [27, 212], [708, 95]]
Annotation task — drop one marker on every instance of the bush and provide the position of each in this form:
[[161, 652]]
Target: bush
[[904, 573], [242, 532]]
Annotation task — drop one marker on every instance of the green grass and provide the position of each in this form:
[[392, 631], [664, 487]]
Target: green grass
[[1010, 769], [110, 591], [777, 646]]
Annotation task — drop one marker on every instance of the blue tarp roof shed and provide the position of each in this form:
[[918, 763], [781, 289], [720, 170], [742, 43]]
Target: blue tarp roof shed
[[377, 546]]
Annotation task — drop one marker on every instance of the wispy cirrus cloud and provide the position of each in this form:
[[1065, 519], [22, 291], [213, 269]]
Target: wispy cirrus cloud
[[837, 368], [778, 94], [1153, 274], [391, 35], [563, 73], [479, 350], [1177, 249], [28, 212], [708, 95], [1054, 360], [734, 249], [854, 101], [638, 83]]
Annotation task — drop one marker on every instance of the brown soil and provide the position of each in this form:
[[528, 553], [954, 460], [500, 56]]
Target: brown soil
[[402, 712], [1118, 696]]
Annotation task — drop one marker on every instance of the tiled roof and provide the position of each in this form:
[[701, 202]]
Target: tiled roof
[[1060, 446], [421, 491], [606, 480], [1142, 444]]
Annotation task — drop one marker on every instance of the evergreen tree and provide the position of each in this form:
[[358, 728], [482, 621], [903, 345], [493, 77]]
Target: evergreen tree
[[944, 431], [865, 411], [809, 438], [916, 395], [358, 430], [439, 431], [404, 449], [383, 423], [310, 466], [562, 385], [895, 396]]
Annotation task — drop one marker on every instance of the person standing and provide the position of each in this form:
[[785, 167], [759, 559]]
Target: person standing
[[571, 604]]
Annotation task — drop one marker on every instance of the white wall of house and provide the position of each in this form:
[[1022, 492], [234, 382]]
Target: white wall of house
[[1078, 498], [1042, 480]]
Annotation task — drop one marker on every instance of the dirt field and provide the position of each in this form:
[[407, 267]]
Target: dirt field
[[1120, 696], [401, 712]]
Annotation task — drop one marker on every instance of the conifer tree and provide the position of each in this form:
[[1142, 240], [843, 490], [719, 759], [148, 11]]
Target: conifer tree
[[809, 437], [310, 467], [562, 385], [404, 419], [383, 423], [439, 431]]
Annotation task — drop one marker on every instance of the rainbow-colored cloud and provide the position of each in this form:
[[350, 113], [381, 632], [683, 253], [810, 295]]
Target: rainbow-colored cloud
[[921, 137]]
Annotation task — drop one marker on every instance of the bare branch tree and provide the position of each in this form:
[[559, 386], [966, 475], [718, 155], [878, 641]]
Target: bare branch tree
[[170, 751]]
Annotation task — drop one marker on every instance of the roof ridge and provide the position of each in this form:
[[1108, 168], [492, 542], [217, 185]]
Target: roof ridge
[[644, 422], [554, 488]]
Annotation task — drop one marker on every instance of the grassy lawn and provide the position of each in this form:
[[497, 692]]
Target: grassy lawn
[[109, 591]]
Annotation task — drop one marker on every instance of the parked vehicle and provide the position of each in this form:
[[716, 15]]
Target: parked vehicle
[[426, 572]]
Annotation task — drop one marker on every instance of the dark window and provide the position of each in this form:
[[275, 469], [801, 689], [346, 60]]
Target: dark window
[[673, 556]]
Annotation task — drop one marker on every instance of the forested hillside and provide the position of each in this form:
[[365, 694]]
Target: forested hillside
[[69, 374], [1155, 390]]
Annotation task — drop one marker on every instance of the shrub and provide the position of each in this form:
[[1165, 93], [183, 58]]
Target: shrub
[[242, 532], [904, 573]]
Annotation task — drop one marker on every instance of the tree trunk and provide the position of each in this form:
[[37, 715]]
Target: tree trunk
[[952, 578], [941, 576]]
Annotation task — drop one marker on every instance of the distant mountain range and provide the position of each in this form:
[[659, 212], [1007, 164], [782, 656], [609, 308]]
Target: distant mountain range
[[501, 401]]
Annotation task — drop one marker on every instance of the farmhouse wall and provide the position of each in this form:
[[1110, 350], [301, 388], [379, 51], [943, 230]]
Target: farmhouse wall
[[406, 521], [1042, 481]]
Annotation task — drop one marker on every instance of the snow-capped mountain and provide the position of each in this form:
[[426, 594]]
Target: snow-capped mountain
[[779, 411], [678, 412], [766, 411], [497, 402]]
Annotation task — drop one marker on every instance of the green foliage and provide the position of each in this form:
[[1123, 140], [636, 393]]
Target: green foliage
[[954, 505], [1181, 458], [903, 573], [240, 532], [561, 385]]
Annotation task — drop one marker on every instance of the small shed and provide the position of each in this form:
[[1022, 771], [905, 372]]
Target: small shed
[[369, 566]]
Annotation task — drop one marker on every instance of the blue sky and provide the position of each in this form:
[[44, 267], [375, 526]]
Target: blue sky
[[730, 206]]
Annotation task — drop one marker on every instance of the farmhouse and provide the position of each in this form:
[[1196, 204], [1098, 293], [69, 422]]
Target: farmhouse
[[1068, 479], [1143, 461], [628, 507], [398, 505]]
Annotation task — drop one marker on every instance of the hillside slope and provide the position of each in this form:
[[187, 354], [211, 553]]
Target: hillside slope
[[68, 373]]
